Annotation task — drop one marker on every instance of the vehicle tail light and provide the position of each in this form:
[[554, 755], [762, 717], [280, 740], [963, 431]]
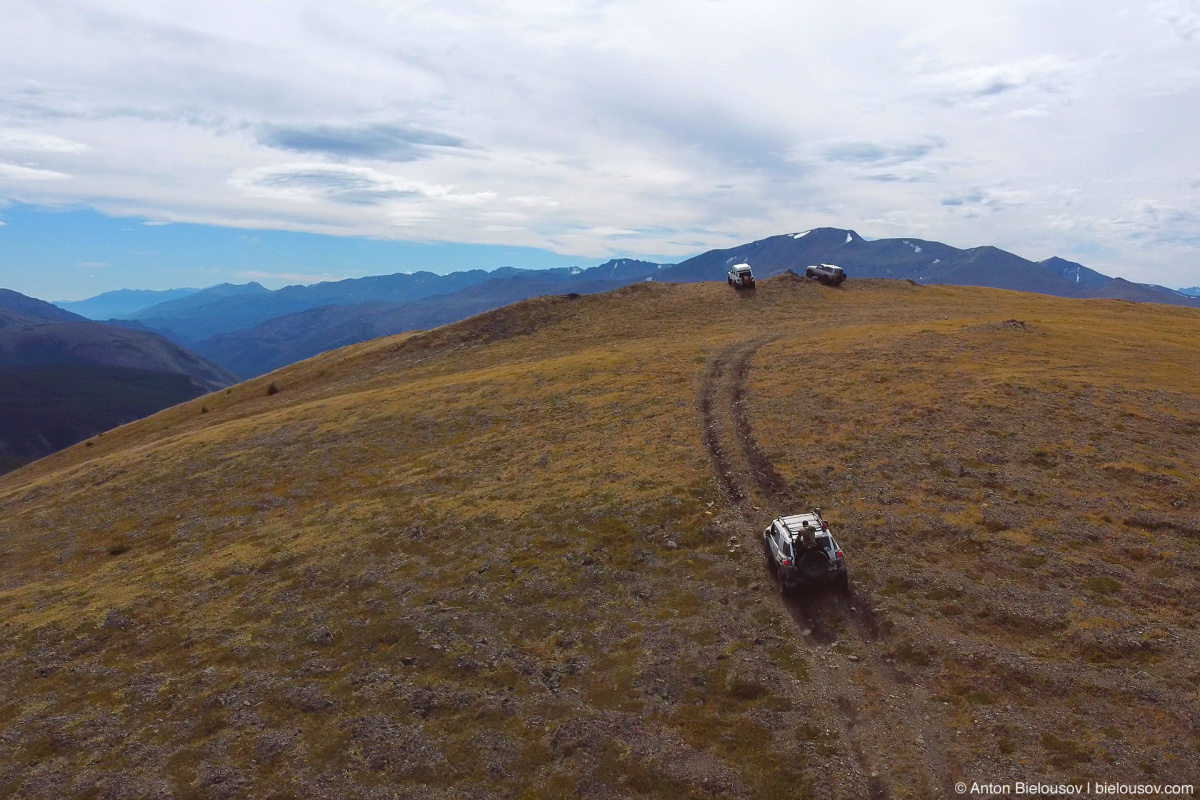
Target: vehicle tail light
[[787, 562], [839, 554], [824, 526]]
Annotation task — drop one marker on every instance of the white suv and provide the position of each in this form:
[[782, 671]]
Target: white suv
[[801, 551], [740, 276]]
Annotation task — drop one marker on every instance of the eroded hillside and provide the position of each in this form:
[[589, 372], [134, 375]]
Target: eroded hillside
[[519, 556]]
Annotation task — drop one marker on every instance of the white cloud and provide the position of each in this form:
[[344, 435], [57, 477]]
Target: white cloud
[[614, 127], [1181, 15], [1028, 113], [867, 152], [314, 182], [15, 172], [38, 142], [981, 83]]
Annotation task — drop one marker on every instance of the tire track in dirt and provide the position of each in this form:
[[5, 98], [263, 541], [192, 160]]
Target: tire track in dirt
[[728, 438], [722, 462], [816, 605], [817, 609], [875, 785], [770, 483]]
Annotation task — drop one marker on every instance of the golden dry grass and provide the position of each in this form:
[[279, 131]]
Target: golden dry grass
[[494, 559]]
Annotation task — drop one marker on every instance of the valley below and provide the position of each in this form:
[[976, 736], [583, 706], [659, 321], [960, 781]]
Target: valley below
[[520, 556]]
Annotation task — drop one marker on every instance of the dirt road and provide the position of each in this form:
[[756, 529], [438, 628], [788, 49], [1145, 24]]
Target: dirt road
[[890, 726]]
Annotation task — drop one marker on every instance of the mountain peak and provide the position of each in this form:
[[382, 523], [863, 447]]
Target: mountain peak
[[1075, 273], [237, 288], [33, 307]]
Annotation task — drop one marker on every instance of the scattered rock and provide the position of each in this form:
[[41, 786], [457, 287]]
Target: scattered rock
[[272, 745], [321, 637], [319, 668], [309, 699], [117, 620]]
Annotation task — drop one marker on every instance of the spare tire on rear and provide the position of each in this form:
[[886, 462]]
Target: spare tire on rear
[[813, 564]]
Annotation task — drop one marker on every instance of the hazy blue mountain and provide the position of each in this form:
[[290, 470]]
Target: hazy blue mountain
[[44, 409], [64, 378], [43, 343], [190, 321], [203, 315], [1121, 289], [122, 302], [292, 337], [1193, 291], [33, 309], [176, 317]]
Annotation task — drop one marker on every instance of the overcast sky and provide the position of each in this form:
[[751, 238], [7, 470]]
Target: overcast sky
[[598, 128]]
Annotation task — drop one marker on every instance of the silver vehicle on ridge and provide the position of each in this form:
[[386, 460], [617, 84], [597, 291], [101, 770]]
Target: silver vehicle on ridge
[[800, 551], [829, 274]]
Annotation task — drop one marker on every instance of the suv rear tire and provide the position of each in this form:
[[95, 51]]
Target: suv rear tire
[[814, 564]]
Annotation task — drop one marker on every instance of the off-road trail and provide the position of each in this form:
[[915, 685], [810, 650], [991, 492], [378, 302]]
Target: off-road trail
[[894, 746]]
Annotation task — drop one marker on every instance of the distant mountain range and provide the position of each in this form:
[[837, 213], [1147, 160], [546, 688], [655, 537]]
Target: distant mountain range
[[1193, 291], [251, 330], [292, 337], [64, 378], [227, 308], [122, 302]]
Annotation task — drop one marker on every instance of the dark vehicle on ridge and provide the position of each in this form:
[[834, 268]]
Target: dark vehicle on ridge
[[829, 274]]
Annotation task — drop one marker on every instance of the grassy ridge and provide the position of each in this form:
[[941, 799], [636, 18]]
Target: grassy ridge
[[494, 559]]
